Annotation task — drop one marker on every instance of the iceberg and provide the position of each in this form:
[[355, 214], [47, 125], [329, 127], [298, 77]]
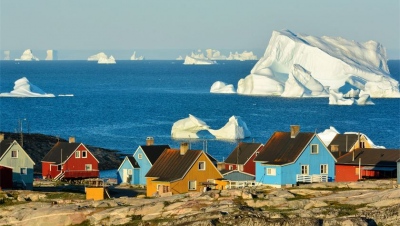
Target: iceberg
[[51, 55], [23, 88], [222, 87], [179, 58], [235, 128], [133, 57], [197, 61], [213, 54], [242, 56], [327, 135], [188, 127], [97, 57], [27, 55], [105, 60], [338, 98], [6, 55], [330, 61]]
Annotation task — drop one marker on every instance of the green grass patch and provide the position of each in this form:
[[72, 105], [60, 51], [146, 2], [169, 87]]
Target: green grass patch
[[83, 223], [344, 209], [65, 195]]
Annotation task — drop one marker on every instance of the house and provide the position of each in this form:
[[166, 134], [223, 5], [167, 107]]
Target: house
[[69, 161], [238, 179], [6, 181], [146, 156], [294, 157], [13, 156], [128, 172], [398, 171], [344, 143], [367, 163], [242, 157], [181, 170]]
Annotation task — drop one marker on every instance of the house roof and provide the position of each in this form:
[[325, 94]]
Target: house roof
[[133, 162], [282, 149], [225, 172], [4, 145], [60, 148], [242, 153], [153, 151], [371, 157], [172, 166], [344, 142]]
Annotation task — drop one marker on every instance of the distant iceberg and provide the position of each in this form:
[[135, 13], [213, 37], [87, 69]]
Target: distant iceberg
[[133, 57], [6, 55], [329, 134], [27, 55], [105, 60], [222, 87], [242, 56], [235, 128], [332, 62], [97, 57], [179, 58], [23, 88], [197, 61]]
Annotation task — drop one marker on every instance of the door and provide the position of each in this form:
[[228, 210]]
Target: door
[[124, 175]]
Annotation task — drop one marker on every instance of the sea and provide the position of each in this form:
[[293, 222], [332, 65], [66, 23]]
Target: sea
[[117, 106]]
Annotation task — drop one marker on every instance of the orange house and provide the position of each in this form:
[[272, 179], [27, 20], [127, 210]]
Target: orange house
[[181, 170]]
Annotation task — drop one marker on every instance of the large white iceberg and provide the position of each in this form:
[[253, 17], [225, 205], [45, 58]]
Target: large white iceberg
[[197, 61], [327, 135], [188, 127], [338, 98], [97, 57], [332, 61], [235, 128], [222, 87], [23, 88], [105, 60], [27, 55]]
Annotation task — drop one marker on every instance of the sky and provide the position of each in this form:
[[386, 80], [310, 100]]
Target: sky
[[163, 27]]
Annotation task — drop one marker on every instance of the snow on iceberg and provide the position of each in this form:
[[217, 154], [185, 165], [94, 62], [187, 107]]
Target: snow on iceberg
[[235, 128], [188, 127], [23, 88], [338, 98], [97, 57], [327, 135], [105, 60], [242, 56], [222, 87], [332, 61], [197, 61], [27, 55]]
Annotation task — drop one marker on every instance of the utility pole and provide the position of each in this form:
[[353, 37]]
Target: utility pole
[[21, 134]]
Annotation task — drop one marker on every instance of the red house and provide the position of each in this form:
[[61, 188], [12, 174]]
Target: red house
[[69, 161], [242, 158], [364, 163], [6, 180]]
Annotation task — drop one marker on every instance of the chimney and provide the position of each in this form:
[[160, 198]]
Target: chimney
[[149, 141], [294, 130], [1, 137], [71, 140], [184, 148]]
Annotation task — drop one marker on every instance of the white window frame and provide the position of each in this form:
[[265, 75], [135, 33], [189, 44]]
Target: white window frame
[[77, 154], [304, 169], [16, 154], [88, 166], [139, 156], [24, 171], [202, 165], [323, 169], [270, 171], [84, 154], [317, 149], [129, 171], [193, 183]]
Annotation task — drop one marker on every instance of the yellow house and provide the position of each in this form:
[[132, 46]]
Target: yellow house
[[181, 170], [344, 143]]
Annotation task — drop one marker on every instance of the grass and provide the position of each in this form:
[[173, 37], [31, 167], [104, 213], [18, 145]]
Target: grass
[[65, 195], [344, 209]]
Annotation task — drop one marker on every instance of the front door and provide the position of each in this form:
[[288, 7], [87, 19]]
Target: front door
[[124, 175]]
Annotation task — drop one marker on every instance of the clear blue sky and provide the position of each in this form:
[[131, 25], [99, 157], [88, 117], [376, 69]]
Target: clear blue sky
[[97, 25]]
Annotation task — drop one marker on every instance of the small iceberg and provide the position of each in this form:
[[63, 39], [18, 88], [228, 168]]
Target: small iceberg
[[197, 61], [235, 128], [222, 87], [105, 60], [97, 57], [23, 88], [27, 55]]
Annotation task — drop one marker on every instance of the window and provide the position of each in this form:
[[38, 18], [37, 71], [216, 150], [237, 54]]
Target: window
[[304, 169], [362, 144], [314, 149], [84, 154], [14, 154], [77, 154], [239, 167], [334, 148], [192, 185], [88, 167], [140, 156], [24, 171], [230, 167], [202, 165], [129, 171], [270, 171], [59, 167], [324, 169]]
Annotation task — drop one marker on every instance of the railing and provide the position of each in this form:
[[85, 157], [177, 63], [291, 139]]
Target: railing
[[81, 174], [311, 178], [240, 184], [59, 176]]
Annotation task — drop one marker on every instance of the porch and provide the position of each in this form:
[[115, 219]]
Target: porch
[[315, 178]]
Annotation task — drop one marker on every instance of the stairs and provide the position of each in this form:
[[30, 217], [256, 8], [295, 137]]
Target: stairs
[[59, 176]]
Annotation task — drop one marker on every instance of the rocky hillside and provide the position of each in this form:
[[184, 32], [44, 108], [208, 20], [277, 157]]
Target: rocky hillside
[[364, 203], [38, 145]]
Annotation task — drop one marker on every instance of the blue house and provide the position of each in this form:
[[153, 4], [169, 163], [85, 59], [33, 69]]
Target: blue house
[[143, 159], [128, 172], [294, 157]]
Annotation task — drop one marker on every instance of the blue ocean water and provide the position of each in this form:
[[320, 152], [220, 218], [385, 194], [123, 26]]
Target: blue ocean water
[[118, 106]]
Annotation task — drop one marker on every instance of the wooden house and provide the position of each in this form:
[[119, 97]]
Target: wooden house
[[69, 161], [128, 172], [242, 158], [344, 143], [6, 181], [294, 157], [13, 156], [146, 156], [181, 170], [364, 163]]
